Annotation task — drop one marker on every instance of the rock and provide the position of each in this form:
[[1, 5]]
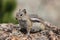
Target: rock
[[42, 37], [16, 34]]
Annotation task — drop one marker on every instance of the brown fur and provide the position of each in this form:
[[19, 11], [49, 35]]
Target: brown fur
[[26, 22]]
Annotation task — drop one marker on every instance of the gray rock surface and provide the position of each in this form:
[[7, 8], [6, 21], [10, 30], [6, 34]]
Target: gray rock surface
[[16, 34]]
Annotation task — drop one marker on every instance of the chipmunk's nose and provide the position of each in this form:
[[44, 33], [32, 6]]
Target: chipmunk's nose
[[16, 18], [21, 15]]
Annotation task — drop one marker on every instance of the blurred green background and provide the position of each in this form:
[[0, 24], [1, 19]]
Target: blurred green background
[[49, 10], [6, 10]]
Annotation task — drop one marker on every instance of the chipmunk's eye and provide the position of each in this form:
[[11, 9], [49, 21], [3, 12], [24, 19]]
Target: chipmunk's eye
[[21, 15]]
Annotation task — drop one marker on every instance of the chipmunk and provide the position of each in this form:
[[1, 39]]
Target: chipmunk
[[26, 22]]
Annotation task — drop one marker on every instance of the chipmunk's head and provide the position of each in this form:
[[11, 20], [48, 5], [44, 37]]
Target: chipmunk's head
[[21, 14]]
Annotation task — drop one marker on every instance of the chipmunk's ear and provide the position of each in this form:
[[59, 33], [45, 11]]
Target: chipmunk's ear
[[24, 10], [19, 10]]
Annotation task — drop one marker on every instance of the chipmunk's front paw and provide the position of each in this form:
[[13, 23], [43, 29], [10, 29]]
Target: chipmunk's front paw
[[28, 36]]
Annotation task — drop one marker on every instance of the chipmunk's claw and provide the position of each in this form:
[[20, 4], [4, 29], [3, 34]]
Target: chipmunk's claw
[[29, 37]]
